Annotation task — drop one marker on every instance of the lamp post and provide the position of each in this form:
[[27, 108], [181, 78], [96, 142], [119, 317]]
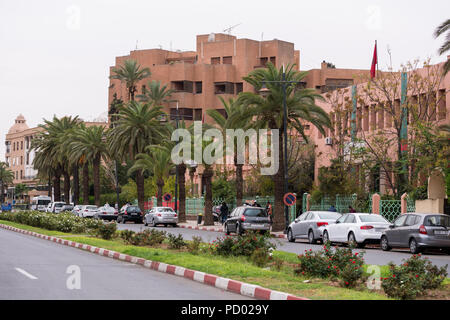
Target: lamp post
[[264, 91]]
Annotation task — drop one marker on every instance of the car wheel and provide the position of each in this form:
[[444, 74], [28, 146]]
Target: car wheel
[[290, 236], [385, 244], [153, 223], [351, 239], [413, 247], [145, 222], [174, 225], [311, 239], [326, 238]]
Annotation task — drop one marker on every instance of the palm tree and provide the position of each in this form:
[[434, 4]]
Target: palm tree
[[155, 94], [440, 30], [89, 143], [267, 113], [131, 73], [136, 128], [157, 161], [6, 177], [235, 118]]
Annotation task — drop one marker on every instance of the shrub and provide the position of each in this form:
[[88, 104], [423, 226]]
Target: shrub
[[277, 263], [176, 242], [107, 230], [194, 246], [260, 257], [144, 238], [243, 245], [340, 263], [413, 278]]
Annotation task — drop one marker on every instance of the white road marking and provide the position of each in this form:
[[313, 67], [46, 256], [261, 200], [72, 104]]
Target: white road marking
[[26, 274]]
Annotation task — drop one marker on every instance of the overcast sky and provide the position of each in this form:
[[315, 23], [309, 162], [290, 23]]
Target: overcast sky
[[55, 55]]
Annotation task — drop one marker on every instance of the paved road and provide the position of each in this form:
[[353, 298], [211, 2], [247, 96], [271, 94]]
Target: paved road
[[33, 268], [372, 256]]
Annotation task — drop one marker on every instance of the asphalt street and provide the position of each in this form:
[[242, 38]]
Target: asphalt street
[[33, 268], [372, 255]]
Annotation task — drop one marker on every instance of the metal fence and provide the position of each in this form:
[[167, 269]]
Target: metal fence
[[390, 209], [341, 203]]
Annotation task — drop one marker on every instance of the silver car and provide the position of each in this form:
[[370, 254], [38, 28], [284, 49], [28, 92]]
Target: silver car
[[161, 215], [418, 231], [310, 225]]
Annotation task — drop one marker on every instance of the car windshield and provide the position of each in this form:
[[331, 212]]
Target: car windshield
[[255, 213], [133, 210], [91, 208], [441, 221], [43, 202], [329, 215], [57, 205], [165, 210], [372, 218]]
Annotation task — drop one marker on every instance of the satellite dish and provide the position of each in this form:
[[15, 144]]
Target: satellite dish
[[212, 37]]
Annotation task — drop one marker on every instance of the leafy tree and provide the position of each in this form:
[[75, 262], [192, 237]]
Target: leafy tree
[[440, 30], [131, 73], [155, 94], [6, 178]]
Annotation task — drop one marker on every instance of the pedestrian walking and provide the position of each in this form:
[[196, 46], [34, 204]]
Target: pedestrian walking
[[224, 212], [351, 210]]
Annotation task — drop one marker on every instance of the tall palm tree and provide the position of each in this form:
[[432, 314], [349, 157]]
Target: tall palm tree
[[267, 113], [157, 161], [235, 118], [136, 128], [89, 142], [440, 30], [155, 94], [6, 177], [131, 73]]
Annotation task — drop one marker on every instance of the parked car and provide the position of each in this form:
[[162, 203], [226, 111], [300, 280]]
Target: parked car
[[310, 225], [40, 203], [418, 231], [67, 207], [76, 210], [246, 218], [357, 228], [88, 211], [161, 215], [106, 213], [130, 213], [55, 207]]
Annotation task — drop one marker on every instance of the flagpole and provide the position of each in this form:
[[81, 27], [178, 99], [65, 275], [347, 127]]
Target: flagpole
[[376, 46]]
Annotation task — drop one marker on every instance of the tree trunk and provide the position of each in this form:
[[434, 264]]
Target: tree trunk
[[160, 186], [140, 189], [208, 174], [66, 175], [76, 184], [182, 190], [2, 195], [57, 187], [191, 175], [278, 179], [49, 186], [96, 169], [239, 182], [86, 183]]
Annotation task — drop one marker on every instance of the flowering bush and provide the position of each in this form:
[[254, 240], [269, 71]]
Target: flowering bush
[[338, 263], [144, 238], [413, 278], [176, 242], [243, 245]]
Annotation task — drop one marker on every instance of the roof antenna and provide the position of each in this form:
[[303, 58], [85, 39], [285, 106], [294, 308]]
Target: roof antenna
[[228, 30], [137, 44]]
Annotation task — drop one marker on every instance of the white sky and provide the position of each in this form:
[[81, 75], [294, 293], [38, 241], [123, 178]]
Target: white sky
[[55, 55]]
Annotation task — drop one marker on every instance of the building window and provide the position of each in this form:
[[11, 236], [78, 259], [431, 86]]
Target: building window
[[263, 61], [223, 88], [273, 60], [227, 60], [183, 86], [28, 158], [21, 174], [239, 87], [183, 114], [215, 60], [21, 145], [223, 113], [198, 87], [198, 113], [21, 160]]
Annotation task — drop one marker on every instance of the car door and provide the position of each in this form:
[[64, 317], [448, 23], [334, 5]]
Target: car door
[[296, 226], [393, 234], [304, 225], [407, 229], [335, 230], [349, 222], [231, 222]]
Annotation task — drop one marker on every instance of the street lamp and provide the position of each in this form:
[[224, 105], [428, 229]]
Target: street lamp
[[264, 91]]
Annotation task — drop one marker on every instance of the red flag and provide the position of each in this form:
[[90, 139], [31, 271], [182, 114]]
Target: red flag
[[374, 62]]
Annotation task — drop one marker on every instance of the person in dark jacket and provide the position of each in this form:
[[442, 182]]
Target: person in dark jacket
[[224, 212], [332, 209]]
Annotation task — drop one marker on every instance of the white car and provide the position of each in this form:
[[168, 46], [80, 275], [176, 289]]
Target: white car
[[88, 211], [161, 215], [357, 228], [55, 207], [76, 210], [106, 213]]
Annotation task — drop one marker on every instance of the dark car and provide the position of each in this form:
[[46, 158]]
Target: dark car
[[246, 218], [418, 231], [216, 213], [130, 213]]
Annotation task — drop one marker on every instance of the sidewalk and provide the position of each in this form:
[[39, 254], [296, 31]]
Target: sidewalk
[[191, 224]]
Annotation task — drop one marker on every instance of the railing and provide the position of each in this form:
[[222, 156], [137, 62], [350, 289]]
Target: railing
[[390, 209]]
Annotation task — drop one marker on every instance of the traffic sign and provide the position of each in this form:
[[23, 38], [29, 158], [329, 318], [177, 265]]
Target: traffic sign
[[167, 197], [289, 199]]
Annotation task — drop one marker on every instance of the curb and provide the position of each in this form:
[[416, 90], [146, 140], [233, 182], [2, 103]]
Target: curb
[[242, 288], [275, 235]]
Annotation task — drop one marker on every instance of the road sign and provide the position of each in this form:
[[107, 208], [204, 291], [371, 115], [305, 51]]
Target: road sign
[[167, 197], [289, 199]]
